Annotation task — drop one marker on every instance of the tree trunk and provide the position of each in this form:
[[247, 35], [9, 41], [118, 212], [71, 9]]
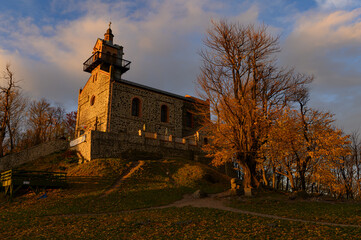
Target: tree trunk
[[278, 181], [11, 136], [2, 137], [292, 181], [250, 173], [303, 180], [264, 177]]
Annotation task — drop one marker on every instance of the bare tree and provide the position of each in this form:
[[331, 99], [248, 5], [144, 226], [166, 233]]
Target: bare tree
[[39, 119], [16, 117], [349, 171], [12, 105], [246, 90], [57, 119], [45, 123], [70, 122]]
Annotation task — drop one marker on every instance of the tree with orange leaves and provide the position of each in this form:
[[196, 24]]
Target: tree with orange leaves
[[247, 92], [304, 145]]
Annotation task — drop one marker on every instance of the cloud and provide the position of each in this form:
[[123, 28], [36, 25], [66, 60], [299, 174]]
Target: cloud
[[337, 4], [337, 29], [161, 38], [327, 46]]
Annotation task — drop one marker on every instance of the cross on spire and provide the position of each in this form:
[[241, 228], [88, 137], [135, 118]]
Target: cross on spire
[[108, 36]]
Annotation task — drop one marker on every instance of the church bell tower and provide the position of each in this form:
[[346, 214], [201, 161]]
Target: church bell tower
[[108, 55], [106, 66]]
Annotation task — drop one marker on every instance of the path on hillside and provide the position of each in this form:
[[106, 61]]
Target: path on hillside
[[215, 201], [124, 175]]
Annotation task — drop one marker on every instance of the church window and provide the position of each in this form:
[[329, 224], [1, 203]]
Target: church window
[[189, 119], [92, 100], [108, 56], [136, 107], [164, 113]]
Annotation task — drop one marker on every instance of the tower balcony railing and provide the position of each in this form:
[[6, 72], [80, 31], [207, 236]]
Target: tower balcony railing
[[101, 57]]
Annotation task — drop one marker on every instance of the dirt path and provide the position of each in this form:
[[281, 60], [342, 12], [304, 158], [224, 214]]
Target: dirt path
[[215, 201], [124, 175]]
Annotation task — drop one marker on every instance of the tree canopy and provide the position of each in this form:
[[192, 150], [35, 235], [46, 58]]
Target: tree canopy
[[255, 120]]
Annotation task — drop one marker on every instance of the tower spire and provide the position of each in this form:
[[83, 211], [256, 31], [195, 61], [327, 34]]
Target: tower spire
[[108, 36]]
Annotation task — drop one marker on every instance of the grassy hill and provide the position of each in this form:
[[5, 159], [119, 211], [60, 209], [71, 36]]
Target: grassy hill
[[85, 211]]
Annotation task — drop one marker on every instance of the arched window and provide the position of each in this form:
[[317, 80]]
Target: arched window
[[164, 113], [92, 100], [108, 57], [136, 107], [189, 119]]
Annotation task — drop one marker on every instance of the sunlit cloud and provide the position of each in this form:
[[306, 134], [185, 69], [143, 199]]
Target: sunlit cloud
[[161, 38], [337, 4], [327, 46]]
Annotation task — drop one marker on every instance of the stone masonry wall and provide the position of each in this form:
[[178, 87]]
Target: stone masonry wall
[[94, 116], [112, 145], [150, 112], [32, 153]]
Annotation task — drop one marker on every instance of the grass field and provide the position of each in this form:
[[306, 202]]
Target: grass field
[[172, 223], [344, 212], [83, 211]]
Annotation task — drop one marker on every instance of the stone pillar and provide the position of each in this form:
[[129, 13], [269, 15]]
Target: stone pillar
[[235, 187]]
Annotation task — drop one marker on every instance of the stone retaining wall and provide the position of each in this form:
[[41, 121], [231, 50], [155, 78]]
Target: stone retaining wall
[[112, 145], [32, 153]]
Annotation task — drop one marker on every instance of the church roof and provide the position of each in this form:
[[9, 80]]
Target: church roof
[[189, 99]]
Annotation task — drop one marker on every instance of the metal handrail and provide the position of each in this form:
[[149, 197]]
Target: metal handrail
[[106, 57]]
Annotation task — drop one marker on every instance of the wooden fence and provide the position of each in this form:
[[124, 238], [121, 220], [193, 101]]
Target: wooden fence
[[13, 180]]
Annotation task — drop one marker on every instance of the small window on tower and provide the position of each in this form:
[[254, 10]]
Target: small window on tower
[[136, 107], [92, 100], [189, 119], [164, 113], [94, 77]]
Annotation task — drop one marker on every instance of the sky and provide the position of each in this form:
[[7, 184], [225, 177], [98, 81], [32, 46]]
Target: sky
[[47, 41]]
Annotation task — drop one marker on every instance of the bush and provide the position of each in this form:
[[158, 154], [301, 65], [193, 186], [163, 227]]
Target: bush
[[99, 167], [189, 175], [70, 156]]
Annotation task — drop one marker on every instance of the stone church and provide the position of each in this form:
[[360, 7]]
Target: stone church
[[115, 115]]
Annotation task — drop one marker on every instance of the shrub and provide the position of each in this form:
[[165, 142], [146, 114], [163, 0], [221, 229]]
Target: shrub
[[189, 175], [69, 156]]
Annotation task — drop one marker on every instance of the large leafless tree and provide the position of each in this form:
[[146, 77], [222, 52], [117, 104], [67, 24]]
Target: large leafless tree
[[246, 90], [12, 106]]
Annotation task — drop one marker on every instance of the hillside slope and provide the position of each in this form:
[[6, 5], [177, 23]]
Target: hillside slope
[[84, 211], [156, 182]]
